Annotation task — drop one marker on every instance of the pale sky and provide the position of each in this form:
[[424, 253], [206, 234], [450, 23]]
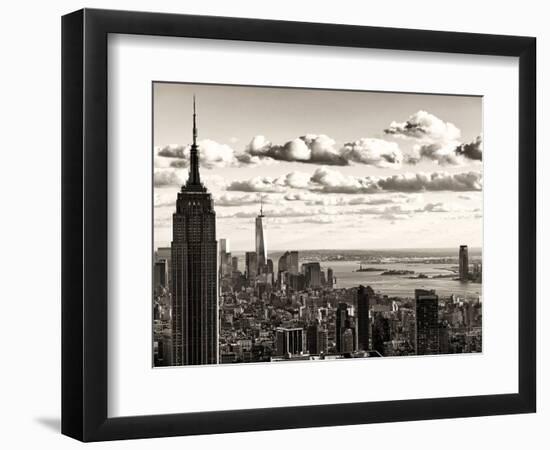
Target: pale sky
[[336, 169]]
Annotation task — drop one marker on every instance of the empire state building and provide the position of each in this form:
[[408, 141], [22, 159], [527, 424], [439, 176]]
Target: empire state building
[[194, 265]]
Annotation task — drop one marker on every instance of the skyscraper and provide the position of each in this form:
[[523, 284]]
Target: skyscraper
[[312, 338], [260, 242], [224, 258], [312, 272], [380, 332], [293, 263], [427, 325], [160, 275], [194, 271], [363, 323], [322, 340], [330, 277], [269, 271], [348, 338], [282, 266], [251, 263], [343, 324], [166, 254], [463, 262]]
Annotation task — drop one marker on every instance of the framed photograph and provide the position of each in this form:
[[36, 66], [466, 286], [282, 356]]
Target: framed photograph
[[273, 225]]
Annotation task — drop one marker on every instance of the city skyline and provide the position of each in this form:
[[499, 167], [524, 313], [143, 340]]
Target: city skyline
[[206, 310], [370, 173]]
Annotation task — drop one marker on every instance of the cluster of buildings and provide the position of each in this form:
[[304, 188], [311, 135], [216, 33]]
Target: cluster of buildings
[[208, 311], [332, 323]]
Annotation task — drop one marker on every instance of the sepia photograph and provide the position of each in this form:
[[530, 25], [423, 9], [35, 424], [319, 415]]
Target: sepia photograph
[[295, 224]]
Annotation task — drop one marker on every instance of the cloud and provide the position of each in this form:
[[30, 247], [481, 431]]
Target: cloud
[[301, 197], [374, 152], [436, 181], [170, 177], [435, 207], [371, 201], [472, 150], [257, 184], [211, 154], [321, 149], [247, 199], [228, 200], [173, 151], [390, 216], [162, 222], [439, 141], [319, 220], [424, 126], [447, 153], [272, 213], [330, 181], [314, 199], [311, 148], [159, 203], [298, 180], [442, 153], [333, 181], [167, 177]]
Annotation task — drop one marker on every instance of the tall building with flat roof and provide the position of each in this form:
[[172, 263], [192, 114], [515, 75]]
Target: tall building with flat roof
[[364, 294], [330, 277], [463, 262], [166, 254], [312, 272], [343, 323], [224, 258], [312, 338], [251, 262], [194, 270], [283, 264], [293, 263], [348, 341], [160, 275], [427, 322], [380, 333]]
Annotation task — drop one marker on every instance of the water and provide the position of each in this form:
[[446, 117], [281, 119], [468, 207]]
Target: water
[[401, 285], [345, 263]]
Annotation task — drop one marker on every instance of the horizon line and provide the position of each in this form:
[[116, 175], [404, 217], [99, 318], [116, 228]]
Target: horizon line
[[355, 249]]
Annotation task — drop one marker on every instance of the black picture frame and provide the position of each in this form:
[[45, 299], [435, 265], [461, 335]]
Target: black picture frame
[[84, 224]]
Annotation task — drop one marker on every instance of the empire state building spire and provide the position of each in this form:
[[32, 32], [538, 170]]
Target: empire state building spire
[[194, 180]]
